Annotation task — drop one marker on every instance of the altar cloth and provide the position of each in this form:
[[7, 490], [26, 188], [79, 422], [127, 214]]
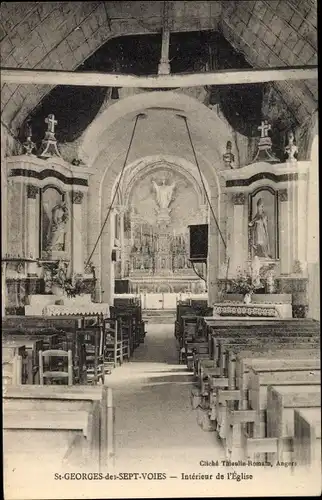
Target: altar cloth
[[255, 310], [70, 310]]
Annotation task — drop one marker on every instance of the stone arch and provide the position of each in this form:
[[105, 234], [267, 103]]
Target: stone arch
[[211, 136], [92, 143]]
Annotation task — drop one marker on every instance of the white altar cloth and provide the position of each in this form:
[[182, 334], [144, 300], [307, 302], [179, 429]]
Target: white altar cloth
[[82, 309], [254, 310]]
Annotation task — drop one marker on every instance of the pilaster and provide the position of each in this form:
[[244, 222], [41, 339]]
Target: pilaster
[[32, 227], [77, 233]]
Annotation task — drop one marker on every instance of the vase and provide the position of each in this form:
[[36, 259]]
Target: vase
[[57, 290], [247, 298]]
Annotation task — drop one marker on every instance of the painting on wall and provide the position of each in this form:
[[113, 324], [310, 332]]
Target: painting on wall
[[54, 217], [263, 224]]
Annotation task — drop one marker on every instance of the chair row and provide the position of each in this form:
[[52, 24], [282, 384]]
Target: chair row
[[81, 352]]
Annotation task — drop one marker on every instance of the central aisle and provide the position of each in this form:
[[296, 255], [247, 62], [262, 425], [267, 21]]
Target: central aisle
[[156, 427]]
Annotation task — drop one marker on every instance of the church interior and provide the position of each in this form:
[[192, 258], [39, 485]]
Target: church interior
[[160, 248]]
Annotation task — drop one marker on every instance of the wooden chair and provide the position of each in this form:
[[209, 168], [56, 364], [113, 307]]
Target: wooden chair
[[124, 328], [113, 343], [93, 340], [55, 360]]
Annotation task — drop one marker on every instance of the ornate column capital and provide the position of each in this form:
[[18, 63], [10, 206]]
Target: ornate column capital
[[283, 194], [32, 191], [77, 197], [238, 198]]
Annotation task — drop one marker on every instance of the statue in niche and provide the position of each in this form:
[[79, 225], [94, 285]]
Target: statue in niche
[[57, 228], [163, 194], [259, 232]]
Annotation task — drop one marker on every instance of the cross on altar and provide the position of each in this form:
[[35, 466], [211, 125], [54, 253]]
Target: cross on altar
[[264, 128], [51, 122]]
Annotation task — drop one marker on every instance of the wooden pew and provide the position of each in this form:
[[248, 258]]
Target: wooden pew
[[225, 349], [68, 435], [14, 362], [281, 402], [33, 345], [307, 437], [235, 394], [225, 376], [72, 399], [190, 313], [237, 415], [210, 326], [259, 380]]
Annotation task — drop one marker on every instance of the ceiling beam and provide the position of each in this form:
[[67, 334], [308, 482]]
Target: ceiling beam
[[94, 79]]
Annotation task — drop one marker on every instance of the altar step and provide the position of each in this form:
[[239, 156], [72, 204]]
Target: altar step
[[159, 316]]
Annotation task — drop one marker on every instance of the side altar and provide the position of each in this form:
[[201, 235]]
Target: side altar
[[266, 231], [47, 199]]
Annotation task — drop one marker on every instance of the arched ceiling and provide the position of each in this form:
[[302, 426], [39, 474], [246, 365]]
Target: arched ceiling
[[161, 130], [62, 35]]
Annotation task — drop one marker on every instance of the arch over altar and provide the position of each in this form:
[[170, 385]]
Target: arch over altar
[[107, 140], [154, 246]]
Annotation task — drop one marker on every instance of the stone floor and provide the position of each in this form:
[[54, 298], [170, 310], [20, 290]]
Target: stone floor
[[156, 426]]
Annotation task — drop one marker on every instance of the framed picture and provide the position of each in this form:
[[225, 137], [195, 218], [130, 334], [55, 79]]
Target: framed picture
[[263, 224]]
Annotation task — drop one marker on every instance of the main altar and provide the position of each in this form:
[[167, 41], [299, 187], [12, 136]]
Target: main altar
[[156, 236]]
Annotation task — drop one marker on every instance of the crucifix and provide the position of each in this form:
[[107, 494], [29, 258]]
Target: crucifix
[[49, 143], [51, 122], [164, 65], [264, 128]]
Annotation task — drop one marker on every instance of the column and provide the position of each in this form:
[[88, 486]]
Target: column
[[122, 242], [32, 228], [240, 233], [109, 289], [214, 242], [77, 233], [301, 220], [285, 237]]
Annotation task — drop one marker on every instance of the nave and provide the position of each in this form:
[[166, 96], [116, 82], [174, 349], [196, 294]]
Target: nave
[[156, 432], [155, 425]]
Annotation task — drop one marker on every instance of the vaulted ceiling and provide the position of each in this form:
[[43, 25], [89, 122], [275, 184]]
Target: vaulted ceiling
[[62, 35]]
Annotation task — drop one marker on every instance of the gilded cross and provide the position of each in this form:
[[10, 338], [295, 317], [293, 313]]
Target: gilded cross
[[264, 128], [50, 120]]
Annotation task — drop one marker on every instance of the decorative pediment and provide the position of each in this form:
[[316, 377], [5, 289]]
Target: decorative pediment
[[56, 171], [259, 174]]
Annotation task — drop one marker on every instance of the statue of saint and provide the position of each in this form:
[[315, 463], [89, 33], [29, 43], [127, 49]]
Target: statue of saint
[[259, 232], [56, 231], [163, 194]]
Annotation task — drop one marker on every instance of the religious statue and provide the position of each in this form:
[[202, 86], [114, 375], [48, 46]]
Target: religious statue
[[259, 232], [163, 194], [291, 149], [56, 231]]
